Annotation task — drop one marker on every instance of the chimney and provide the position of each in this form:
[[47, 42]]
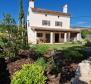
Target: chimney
[[31, 4], [65, 8]]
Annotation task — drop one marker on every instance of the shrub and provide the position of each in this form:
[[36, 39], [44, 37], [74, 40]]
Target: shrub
[[88, 44], [73, 55], [30, 73], [41, 49], [84, 33]]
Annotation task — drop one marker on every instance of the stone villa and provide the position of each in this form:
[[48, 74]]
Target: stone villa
[[46, 26]]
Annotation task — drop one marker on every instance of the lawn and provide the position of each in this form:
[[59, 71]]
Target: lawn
[[59, 46]]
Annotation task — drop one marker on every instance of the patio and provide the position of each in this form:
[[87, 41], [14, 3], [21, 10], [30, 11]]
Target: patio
[[55, 37]]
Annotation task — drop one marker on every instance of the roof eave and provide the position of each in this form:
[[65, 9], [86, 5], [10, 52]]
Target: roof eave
[[54, 29], [38, 10]]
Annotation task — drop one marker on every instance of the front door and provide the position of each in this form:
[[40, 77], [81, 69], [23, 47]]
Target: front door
[[56, 38], [48, 38]]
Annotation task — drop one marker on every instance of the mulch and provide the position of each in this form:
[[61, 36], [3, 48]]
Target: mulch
[[17, 65]]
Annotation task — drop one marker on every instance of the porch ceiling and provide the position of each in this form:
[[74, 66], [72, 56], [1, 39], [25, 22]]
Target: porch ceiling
[[55, 29]]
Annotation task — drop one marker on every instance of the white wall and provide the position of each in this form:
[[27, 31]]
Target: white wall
[[31, 36], [36, 20]]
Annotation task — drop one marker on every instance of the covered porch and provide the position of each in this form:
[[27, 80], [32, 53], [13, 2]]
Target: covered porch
[[56, 35]]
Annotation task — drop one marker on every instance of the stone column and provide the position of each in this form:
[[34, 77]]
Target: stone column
[[59, 37], [65, 37], [78, 36], [44, 38], [51, 37], [69, 36]]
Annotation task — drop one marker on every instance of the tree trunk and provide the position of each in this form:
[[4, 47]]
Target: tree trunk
[[22, 25]]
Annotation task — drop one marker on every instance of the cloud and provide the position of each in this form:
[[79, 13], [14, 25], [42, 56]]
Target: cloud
[[83, 22]]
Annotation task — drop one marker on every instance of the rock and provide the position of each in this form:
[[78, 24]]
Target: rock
[[85, 71], [49, 53], [53, 79]]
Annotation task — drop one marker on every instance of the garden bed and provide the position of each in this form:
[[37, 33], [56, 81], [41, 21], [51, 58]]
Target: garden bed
[[15, 66], [65, 59]]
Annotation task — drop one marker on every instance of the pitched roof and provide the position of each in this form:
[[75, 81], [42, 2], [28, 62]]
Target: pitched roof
[[49, 12], [54, 29]]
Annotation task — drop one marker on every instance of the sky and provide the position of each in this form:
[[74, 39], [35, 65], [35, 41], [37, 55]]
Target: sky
[[77, 8]]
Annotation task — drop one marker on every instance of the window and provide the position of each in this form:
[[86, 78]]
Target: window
[[57, 23], [39, 34], [46, 22]]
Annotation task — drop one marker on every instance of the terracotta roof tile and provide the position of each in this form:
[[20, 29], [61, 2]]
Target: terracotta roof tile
[[49, 12]]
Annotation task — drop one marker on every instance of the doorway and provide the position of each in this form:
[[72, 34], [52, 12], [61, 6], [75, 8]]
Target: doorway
[[56, 38], [48, 38]]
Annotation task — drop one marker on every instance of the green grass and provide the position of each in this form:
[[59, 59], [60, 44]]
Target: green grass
[[58, 46]]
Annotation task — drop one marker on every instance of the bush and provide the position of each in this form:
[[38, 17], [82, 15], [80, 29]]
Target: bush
[[73, 55], [88, 44], [42, 48], [30, 73], [84, 33]]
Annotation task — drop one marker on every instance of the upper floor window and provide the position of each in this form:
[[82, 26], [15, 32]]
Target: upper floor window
[[58, 23], [46, 22]]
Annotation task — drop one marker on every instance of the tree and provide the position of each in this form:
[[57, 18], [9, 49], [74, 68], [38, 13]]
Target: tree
[[8, 36], [21, 16], [22, 24], [8, 23]]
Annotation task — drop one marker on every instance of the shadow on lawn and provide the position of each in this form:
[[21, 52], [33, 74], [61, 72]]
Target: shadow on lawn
[[4, 74]]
